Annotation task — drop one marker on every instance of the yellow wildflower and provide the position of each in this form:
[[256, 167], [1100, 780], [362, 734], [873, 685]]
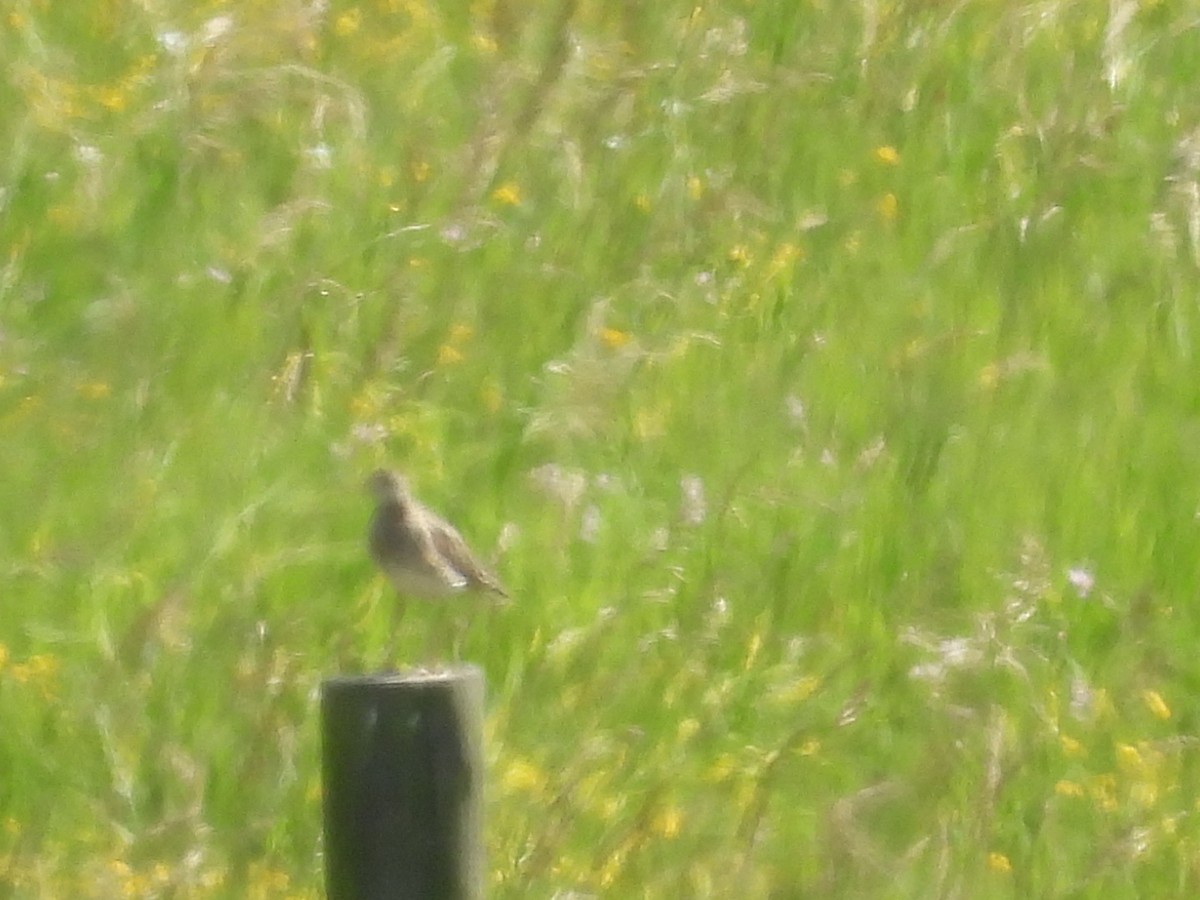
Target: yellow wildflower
[[39, 668], [722, 768], [889, 207], [524, 776], [1156, 704], [614, 338], [785, 256], [1066, 788], [887, 154], [347, 23], [998, 862], [1129, 757], [448, 355], [1103, 790], [1070, 746], [667, 821], [114, 99], [508, 194]]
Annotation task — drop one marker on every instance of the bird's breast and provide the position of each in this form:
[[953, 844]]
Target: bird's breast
[[426, 585]]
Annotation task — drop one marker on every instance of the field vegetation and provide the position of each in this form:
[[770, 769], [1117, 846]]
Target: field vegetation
[[821, 378]]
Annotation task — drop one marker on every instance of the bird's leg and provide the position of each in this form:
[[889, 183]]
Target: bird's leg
[[439, 637], [446, 650], [398, 611], [458, 634]]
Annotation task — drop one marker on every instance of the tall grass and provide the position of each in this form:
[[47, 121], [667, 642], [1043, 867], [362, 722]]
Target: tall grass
[[823, 376]]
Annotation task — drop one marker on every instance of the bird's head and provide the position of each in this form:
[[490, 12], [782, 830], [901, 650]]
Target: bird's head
[[387, 486]]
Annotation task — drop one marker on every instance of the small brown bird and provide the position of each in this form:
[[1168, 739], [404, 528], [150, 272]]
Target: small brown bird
[[421, 553]]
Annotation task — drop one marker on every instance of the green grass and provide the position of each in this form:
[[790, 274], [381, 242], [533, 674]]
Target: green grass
[[823, 374]]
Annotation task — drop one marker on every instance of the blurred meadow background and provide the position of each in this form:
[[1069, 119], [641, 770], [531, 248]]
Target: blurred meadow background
[[821, 378]]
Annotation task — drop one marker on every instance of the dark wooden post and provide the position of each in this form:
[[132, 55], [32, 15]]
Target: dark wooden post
[[402, 769]]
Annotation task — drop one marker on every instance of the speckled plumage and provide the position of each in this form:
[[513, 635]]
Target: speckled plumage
[[421, 553]]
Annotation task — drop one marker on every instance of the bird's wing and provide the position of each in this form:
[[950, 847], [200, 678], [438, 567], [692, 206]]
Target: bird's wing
[[432, 554], [454, 550]]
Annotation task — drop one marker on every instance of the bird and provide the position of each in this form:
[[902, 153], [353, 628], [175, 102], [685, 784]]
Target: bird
[[422, 555]]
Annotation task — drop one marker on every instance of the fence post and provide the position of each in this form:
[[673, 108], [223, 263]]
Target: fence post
[[402, 762]]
